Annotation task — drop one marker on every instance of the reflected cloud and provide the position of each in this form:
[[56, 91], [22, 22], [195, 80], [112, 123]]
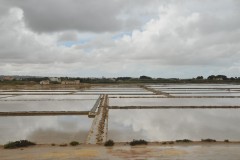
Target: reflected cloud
[[175, 124], [44, 129], [47, 136]]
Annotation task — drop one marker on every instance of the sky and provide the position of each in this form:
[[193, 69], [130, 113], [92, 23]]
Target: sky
[[114, 38]]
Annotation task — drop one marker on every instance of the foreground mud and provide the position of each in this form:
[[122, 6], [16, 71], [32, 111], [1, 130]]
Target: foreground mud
[[196, 151]]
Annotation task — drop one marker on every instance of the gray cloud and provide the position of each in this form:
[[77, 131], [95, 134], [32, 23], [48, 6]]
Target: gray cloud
[[85, 16], [68, 36], [58, 15], [177, 39]]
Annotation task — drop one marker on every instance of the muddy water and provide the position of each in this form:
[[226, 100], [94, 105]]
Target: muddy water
[[179, 152]]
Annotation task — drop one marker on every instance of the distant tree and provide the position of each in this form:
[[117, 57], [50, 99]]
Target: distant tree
[[123, 78], [199, 77], [145, 77], [222, 76], [211, 77]]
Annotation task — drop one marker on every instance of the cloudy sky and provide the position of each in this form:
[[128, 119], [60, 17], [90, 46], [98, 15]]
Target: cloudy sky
[[158, 38]]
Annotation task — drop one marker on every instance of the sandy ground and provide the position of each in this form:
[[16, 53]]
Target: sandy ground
[[196, 151]]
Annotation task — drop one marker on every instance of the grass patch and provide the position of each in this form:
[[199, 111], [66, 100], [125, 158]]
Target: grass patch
[[138, 142], [109, 143], [74, 143], [18, 144], [208, 140]]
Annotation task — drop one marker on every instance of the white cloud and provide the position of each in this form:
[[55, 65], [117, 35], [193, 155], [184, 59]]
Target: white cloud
[[184, 40]]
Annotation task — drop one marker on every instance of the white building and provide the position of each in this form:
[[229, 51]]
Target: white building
[[55, 79], [44, 82]]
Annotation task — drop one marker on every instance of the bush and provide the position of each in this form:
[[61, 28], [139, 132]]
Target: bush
[[109, 143], [226, 140], [208, 140], [170, 142], [138, 142], [63, 145], [183, 140], [74, 143], [18, 144]]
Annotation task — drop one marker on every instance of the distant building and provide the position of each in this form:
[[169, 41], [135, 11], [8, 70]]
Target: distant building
[[55, 79], [70, 82], [8, 78], [44, 82], [218, 78], [18, 78]]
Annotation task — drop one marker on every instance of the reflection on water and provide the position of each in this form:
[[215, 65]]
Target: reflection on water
[[51, 97], [55, 129], [194, 86], [174, 101], [124, 125], [158, 125], [7, 106]]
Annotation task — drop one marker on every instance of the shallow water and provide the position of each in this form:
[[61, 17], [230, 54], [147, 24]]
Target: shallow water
[[160, 125], [174, 101], [9, 106], [124, 125], [41, 129], [51, 97], [114, 93], [208, 94], [32, 93], [194, 86]]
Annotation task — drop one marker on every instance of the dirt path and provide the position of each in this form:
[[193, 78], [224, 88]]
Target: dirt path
[[98, 131]]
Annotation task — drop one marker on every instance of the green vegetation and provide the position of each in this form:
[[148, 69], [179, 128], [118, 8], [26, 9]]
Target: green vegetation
[[74, 143], [169, 142], [226, 140], [18, 144], [25, 80], [208, 140], [138, 142], [184, 141], [109, 143]]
